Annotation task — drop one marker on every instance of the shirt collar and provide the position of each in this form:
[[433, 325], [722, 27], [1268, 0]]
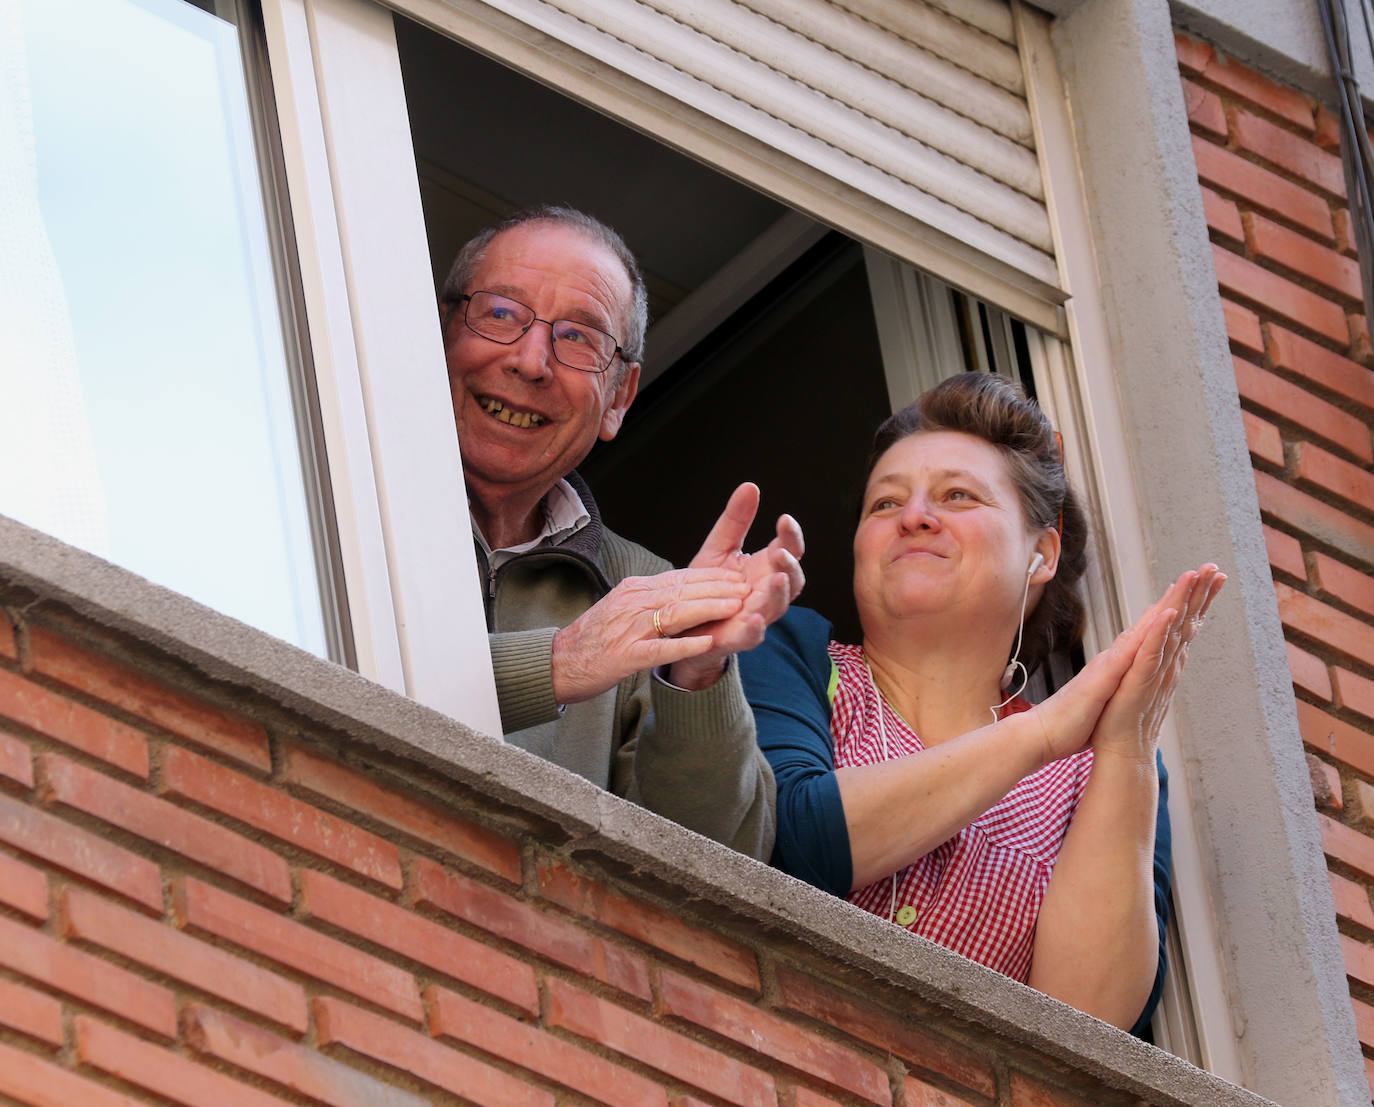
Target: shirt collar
[[563, 514]]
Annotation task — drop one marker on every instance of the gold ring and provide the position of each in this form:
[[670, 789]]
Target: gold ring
[[658, 626]]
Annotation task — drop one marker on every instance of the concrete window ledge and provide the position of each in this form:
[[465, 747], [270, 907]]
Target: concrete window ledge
[[804, 995]]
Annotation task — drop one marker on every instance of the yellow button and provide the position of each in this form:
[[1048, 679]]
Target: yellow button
[[906, 916]]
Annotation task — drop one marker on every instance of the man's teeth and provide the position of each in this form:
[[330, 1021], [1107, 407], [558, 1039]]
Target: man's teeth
[[514, 418]]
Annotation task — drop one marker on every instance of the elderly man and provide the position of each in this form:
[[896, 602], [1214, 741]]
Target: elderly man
[[608, 661]]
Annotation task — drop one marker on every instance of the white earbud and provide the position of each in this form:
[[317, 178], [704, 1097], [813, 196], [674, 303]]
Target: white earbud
[[1009, 673]]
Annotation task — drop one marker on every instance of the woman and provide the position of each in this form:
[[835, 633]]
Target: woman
[[914, 780]]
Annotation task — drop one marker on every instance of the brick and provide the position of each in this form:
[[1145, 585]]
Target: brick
[[1359, 337], [1323, 522], [917, 1093], [1204, 108], [1339, 581], [191, 777], [1309, 673], [650, 925], [1295, 154], [1299, 253], [1029, 1092], [1243, 326], [1262, 188], [1327, 133], [75, 972], [73, 724], [1296, 404], [33, 1013], [1354, 691], [425, 821], [161, 1071], [1319, 365], [8, 648], [1359, 960], [412, 1052], [1364, 804], [452, 1016], [538, 931], [78, 851], [1238, 276], [1352, 901], [23, 887], [1285, 553], [1328, 735], [1345, 232], [805, 1097], [1287, 103], [38, 1083], [772, 1036], [829, 1006], [208, 910], [1351, 483], [16, 762], [296, 1067], [658, 1047], [1326, 784], [1364, 1027], [1262, 439], [1346, 845], [168, 951], [420, 939], [166, 825], [1193, 56], [150, 699], [1306, 615]]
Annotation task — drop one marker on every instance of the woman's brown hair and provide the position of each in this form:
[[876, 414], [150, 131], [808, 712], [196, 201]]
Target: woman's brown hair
[[999, 412]]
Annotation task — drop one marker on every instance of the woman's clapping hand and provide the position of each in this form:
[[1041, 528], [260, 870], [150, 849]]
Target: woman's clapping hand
[[1120, 698], [1129, 724]]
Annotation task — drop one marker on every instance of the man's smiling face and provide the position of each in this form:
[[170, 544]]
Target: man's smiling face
[[524, 420]]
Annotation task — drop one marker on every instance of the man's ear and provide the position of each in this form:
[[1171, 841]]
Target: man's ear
[[621, 399]]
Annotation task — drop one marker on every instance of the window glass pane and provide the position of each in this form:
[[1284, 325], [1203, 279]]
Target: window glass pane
[[148, 414]]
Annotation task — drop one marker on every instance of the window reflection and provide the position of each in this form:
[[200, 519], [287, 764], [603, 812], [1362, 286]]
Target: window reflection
[[143, 374]]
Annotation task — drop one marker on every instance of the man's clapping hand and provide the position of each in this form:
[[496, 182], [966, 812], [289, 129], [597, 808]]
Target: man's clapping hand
[[690, 619]]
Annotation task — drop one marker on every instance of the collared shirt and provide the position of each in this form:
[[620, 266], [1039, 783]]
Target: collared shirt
[[564, 514]]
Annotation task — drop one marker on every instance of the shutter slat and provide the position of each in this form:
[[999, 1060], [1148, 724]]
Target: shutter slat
[[964, 45], [904, 63], [993, 17]]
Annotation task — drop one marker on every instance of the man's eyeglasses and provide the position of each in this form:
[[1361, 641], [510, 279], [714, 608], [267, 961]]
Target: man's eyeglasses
[[577, 345]]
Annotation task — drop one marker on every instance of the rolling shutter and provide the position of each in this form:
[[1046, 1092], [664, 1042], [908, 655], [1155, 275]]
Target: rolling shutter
[[903, 122]]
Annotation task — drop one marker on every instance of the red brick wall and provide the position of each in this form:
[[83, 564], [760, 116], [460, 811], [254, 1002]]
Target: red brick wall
[[1274, 195], [207, 900]]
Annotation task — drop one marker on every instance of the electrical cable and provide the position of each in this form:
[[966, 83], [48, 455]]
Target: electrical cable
[[1356, 154]]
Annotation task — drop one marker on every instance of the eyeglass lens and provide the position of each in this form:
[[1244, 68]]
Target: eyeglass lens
[[576, 345]]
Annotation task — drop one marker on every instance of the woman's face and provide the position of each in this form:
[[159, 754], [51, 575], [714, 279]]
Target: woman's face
[[942, 530]]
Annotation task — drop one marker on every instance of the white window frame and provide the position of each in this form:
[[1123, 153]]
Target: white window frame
[[405, 544], [414, 596], [1075, 382]]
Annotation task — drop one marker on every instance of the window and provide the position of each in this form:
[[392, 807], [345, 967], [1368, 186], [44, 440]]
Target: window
[[779, 342], [154, 403]]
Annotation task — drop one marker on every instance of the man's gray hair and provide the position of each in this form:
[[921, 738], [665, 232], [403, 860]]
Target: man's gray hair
[[465, 265]]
